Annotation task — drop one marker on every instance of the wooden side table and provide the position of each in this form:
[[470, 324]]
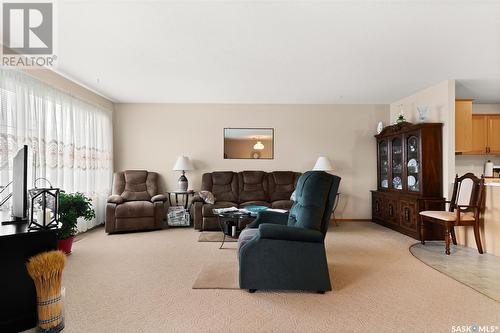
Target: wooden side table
[[184, 196]]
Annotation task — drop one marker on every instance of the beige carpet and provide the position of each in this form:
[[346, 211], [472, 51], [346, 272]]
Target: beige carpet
[[218, 275], [214, 236], [142, 282]]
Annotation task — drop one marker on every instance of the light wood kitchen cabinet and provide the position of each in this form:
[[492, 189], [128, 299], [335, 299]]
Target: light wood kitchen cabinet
[[493, 146], [463, 125], [479, 135], [485, 135], [475, 134]]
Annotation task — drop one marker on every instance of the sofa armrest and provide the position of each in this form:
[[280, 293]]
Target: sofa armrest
[[159, 198], [269, 217], [196, 213], [284, 232], [159, 213], [109, 224], [116, 199], [197, 198]]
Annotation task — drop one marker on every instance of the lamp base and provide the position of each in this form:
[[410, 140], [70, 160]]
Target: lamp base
[[183, 183]]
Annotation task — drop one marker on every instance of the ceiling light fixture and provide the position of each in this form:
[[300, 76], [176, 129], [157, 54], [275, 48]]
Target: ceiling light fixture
[[258, 146]]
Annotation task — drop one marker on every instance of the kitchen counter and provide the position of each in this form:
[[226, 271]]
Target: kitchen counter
[[490, 222], [492, 181]]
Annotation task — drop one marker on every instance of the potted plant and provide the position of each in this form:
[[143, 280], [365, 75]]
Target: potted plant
[[72, 207]]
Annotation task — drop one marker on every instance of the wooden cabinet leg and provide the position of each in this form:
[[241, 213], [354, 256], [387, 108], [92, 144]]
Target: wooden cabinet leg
[[422, 230], [477, 236], [447, 239]]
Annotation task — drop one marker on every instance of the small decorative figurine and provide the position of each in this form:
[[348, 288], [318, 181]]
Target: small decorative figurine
[[380, 127], [422, 112]]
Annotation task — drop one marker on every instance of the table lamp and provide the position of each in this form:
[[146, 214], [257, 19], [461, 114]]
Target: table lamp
[[323, 164], [183, 164]]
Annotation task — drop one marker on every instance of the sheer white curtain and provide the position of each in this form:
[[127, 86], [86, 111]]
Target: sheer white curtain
[[70, 141]]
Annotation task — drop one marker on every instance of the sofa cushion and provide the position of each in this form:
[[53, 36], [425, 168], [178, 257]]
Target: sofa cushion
[[253, 186], [223, 184], [135, 185], [254, 203], [316, 191], [282, 184], [282, 204], [135, 209], [207, 209]]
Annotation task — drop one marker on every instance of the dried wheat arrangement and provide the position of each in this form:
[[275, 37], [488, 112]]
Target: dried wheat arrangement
[[46, 271]]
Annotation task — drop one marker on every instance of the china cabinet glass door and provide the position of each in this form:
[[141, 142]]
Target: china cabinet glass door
[[383, 151], [397, 163], [413, 164]]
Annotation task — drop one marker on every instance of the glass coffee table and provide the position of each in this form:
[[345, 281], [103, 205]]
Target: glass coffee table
[[231, 223]]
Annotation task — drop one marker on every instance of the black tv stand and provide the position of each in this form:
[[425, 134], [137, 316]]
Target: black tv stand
[[20, 221], [18, 309]]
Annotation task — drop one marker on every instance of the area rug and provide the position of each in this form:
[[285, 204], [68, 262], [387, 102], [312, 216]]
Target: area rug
[[214, 236], [219, 275], [481, 272]]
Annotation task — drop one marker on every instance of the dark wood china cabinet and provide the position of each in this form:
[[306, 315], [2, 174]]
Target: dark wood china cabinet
[[410, 168]]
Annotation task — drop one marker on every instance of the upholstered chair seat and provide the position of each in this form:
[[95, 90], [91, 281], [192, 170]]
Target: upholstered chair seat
[[447, 216], [255, 203], [135, 209]]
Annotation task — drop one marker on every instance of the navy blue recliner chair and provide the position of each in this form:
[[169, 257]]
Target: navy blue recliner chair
[[287, 251]]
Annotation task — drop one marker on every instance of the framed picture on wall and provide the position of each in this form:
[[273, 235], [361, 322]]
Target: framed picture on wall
[[249, 143]]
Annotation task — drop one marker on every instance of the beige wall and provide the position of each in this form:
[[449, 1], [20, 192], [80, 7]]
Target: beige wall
[[70, 87], [440, 99], [485, 108], [151, 136], [474, 164]]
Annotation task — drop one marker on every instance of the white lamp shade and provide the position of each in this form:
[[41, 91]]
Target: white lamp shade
[[183, 164], [323, 164]]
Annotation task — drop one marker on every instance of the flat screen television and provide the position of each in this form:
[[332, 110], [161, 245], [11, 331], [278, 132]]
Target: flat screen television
[[19, 187]]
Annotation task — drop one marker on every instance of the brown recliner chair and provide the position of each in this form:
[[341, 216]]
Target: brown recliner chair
[[135, 203]]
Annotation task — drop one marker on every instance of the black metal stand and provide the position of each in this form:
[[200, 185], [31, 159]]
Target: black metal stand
[[228, 220], [20, 221]]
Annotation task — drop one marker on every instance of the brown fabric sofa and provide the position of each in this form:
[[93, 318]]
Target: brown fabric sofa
[[240, 189], [135, 203]]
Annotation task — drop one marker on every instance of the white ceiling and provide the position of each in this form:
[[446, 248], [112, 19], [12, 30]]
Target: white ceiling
[[279, 51]]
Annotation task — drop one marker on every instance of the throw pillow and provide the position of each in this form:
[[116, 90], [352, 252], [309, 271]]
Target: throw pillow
[[207, 196]]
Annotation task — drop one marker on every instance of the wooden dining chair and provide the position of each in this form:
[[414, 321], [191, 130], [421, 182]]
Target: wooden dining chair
[[465, 208]]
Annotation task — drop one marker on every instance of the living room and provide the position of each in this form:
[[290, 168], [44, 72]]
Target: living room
[[367, 198]]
